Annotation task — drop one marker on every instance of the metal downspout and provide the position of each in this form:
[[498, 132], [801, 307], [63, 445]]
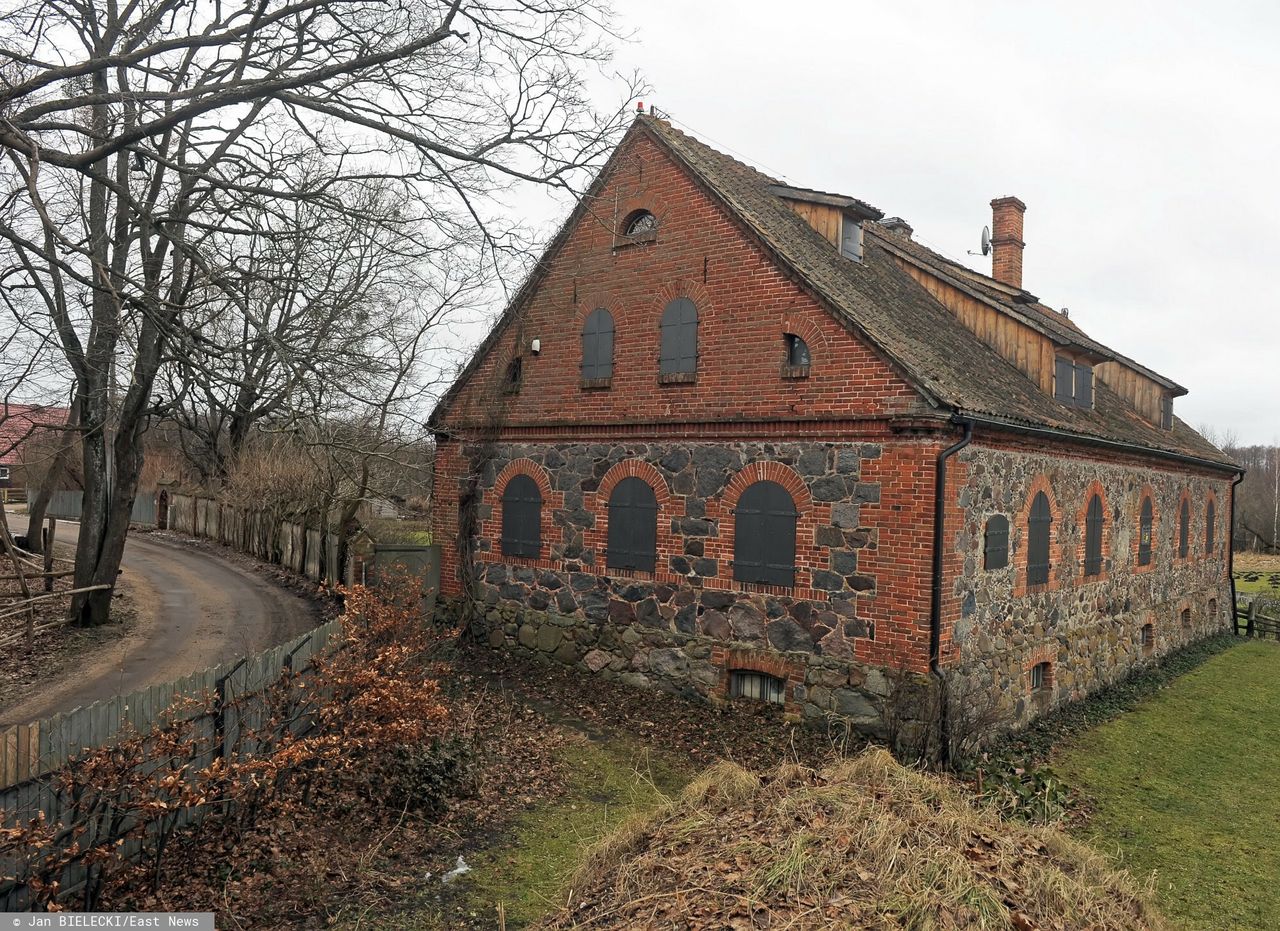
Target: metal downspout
[[935, 607], [1231, 550]]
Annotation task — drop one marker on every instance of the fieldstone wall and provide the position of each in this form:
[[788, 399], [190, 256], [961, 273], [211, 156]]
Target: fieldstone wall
[[685, 626], [1088, 628]]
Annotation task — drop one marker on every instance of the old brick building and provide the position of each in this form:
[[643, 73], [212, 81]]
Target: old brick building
[[702, 450]]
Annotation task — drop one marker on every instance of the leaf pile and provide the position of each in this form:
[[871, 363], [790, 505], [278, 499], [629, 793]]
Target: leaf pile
[[863, 843]]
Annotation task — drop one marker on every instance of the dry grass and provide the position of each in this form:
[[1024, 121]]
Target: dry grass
[[864, 843]]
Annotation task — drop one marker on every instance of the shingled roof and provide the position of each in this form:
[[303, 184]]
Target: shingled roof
[[890, 309], [881, 303]]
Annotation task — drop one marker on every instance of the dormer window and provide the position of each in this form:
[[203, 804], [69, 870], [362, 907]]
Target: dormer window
[[640, 224], [1073, 382], [851, 238], [1166, 412]]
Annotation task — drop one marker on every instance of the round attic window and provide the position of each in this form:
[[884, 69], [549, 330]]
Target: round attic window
[[640, 223]]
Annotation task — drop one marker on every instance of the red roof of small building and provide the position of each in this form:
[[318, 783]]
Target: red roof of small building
[[20, 423]]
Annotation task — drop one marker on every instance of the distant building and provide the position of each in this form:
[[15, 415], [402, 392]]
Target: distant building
[[25, 432], [703, 449]]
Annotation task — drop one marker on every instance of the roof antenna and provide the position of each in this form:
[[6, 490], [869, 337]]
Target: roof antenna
[[986, 243]]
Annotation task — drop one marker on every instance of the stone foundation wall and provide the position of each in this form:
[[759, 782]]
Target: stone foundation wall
[[1089, 629], [686, 626]]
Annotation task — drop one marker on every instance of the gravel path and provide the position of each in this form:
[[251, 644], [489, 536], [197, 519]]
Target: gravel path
[[195, 609]]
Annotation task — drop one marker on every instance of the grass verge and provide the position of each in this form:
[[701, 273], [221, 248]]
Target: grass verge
[[1185, 786]]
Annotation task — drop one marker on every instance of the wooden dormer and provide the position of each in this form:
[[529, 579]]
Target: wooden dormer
[[837, 217]]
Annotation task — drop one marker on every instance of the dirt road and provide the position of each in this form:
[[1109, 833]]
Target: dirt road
[[194, 610]]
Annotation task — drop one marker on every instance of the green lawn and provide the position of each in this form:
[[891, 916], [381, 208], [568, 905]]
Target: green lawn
[[1187, 786]]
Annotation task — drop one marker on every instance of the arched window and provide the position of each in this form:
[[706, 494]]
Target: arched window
[[995, 544], [1093, 537], [597, 345], [1144, 533], [522, 518], [640, 223], [1184, 529], [1038, 524], [633, 526], [679, 356], [1210, 512], [797, 351], [764, 536]]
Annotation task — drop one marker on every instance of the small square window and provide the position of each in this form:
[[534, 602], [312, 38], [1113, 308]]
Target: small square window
[[1040, 677], [759, 686], [4, 473]]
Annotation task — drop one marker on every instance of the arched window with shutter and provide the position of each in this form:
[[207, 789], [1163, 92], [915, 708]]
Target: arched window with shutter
[[1093, 522], [678, 360], [995, 543], [764, 536], [1144, 533], [597, 346], [1210, 513], [1038, 525], [1184, 529], [522, 518], [633, 526]]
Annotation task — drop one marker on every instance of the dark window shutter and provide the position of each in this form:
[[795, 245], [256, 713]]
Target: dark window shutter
[[1064, 380], [679, 338], [764, 540], [1038, 540], [1209, 529], [1084, 386], [597, 345], [522, 518], [1093, 537], [1144, 534], [1184, 529], [1166, 412], [633, 526], [995, 553]]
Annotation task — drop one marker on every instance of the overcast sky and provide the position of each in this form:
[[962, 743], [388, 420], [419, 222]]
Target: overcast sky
[[1143, 138]]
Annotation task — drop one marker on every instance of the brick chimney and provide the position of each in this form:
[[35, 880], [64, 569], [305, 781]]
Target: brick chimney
[[1006, 240]]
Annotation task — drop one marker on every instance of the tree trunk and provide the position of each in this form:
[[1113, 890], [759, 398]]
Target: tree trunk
[[35, 516]]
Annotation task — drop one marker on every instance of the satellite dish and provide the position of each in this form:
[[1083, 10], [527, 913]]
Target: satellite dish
[[986, 241]]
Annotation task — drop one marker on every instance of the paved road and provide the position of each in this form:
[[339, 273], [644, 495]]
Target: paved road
[[194, 610]]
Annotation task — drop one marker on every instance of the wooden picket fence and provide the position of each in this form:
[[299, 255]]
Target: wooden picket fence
[[30, 754], [312, 551]]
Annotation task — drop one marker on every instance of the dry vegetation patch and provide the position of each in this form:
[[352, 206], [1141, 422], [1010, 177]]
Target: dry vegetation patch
[[863, 843]]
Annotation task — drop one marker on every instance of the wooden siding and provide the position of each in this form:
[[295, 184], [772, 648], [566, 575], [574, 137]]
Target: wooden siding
[[1140, 391], [1030, 351], [826, 220]]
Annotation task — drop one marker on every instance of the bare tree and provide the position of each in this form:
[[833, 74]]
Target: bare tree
[[134, 130]]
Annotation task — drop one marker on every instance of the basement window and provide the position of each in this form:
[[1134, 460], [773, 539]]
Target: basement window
[[1040, 677], [4, 473], [758, 686], [1186, 618], [1073, 383], [1148, 638]]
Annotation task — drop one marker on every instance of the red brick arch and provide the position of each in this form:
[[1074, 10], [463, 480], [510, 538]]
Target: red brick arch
[[1184, 498], [1021, 528], [1211, 498], [767, 470], [804, 327], [491, 527], [808, 554], [683, 287], [1144, 494], [1095, 488], [593, 301], [597, 502], [650, 200]]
